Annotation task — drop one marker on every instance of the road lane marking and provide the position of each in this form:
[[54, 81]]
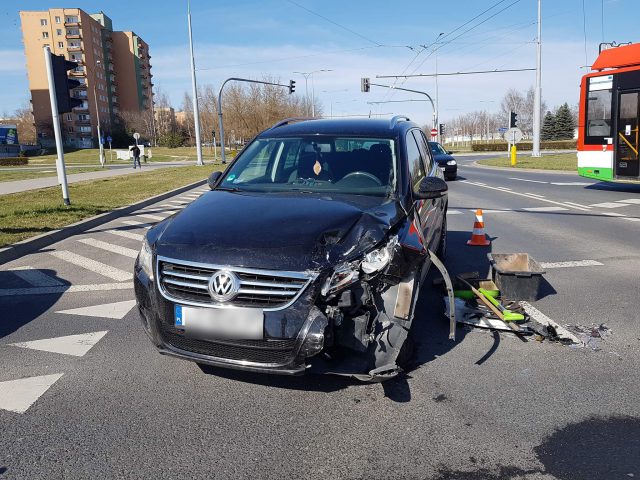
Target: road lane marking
[[18, 395], [577, 263], [76, 345], [35, 277], [609, 205], [137, 224], [504, 188], [577, 184], [535, 195], [540, 317], [503, 210], [97, 287], [635, 201], [109, 247], [127, 234], [116, 310], [632, 219], [613, 214], [454, 212], [150, 217], [545, 209], [93, 265], [526, 180], [524, 195], [577, 205]]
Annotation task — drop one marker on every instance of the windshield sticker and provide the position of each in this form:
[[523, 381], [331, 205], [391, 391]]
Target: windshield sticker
[[231, 177], [317, 168]]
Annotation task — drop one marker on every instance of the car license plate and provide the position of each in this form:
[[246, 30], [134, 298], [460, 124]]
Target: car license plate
[[231, 323]]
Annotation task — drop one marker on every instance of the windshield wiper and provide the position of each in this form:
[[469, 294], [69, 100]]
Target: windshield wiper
[[229, 189]]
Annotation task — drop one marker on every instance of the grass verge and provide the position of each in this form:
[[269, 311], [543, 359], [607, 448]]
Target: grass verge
[[26, 214], [90, 156], [7, 175], [562, 161]]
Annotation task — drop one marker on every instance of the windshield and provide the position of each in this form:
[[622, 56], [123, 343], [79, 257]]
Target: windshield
[[351, 165], [436, 149]]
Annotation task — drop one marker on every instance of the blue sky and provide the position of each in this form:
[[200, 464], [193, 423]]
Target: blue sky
[[355, 39]]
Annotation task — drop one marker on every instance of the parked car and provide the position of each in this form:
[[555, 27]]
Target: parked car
[[445, 160], [308, 253]]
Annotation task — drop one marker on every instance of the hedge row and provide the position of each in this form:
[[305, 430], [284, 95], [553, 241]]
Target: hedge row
[[12, 161], [547, 145]]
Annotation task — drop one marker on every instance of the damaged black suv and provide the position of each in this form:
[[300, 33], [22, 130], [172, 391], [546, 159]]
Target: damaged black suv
[[307, 254]]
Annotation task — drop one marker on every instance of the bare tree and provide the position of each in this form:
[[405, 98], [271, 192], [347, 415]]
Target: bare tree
[[25, 123]]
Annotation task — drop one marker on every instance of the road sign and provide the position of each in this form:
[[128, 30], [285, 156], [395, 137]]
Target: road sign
[[513, 135], [503, 129], [434, 132], [109, 139]]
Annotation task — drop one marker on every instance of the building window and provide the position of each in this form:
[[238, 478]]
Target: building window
[[60, 45], [43, 22], [45, 34], [57, 19], [58, 31], [70, 129], [69, 117]]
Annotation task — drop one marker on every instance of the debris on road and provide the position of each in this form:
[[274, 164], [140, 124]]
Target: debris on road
[[517, 275], [590, 336]]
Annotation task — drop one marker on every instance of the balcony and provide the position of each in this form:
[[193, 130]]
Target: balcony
[[81, 109], [74, 48], [74, 23], [77, 73], [73, 35], [82, 122]]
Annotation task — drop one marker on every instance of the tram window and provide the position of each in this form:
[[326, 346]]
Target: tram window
[[599, 113]]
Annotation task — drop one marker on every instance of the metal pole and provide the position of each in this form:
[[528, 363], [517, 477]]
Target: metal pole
[[537, 102], [62, 174], [306, 90], [196, 114], [220, 126], [313, 97], [100, 146], [437, 110]]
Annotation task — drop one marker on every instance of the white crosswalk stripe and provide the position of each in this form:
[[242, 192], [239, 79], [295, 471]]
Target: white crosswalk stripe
[[609, 205], [18, 395], [110, 247], [93, 265], [116, 310], [634, 201], [137, 224], [578, 263], [35, 277], [127, 234], [76, 345], [632, 219], [96, 287], [150, 217]]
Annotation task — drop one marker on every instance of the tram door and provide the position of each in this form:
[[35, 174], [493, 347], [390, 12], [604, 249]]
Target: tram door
[[627, 143]]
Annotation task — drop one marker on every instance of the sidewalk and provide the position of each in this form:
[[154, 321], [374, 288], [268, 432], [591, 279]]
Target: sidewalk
[[35, 183]]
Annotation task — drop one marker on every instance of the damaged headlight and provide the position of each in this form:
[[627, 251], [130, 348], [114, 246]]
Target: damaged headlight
[[145, 258], [376, 260], [343, 275], [451, 162]]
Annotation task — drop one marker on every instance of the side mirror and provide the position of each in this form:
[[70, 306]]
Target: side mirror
[[431, 188], [213, 179]]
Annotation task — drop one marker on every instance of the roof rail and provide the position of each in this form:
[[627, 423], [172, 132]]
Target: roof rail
[[397, 119], [287, 121]]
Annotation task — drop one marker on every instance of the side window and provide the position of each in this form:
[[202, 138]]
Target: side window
[[414, 160], [424, 149]]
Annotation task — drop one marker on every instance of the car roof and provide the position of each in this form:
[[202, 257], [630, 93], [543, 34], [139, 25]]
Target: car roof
[[375, 127]]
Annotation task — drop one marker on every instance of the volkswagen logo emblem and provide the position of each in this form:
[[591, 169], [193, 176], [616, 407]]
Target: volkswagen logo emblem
[[223, 285]]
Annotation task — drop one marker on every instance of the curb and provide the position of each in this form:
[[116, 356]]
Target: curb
[[30, 245], [530, 170]]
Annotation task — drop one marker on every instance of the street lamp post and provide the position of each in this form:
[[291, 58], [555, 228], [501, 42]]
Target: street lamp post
[[100, 145], [306, 76]]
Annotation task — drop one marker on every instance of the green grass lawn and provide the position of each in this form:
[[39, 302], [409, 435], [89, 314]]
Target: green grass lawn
[[562, 161], [160, 154], [9, 175], [26, 214]]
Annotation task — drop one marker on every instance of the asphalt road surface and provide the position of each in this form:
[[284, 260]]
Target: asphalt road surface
[[84, 395]]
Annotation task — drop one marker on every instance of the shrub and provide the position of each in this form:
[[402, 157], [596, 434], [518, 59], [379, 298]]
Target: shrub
[[502, 147], [13, 161]]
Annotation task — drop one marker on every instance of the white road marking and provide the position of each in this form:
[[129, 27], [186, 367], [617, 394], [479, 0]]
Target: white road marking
[[577, 263], [168, 205], [503, 188], [526, 180], [632, 219], [179, 202], [577, 184], [540, 317], [115, 310], [76, 345], [127, 234], [96, 287], [35, 277], [613, 214], [18, 395], [535, 195], [110, 247], [609, 205], [503, 210], [454, 212], [93, 265], [524, 195], [635, 201], [577, 205], [545, 209], [137, 224], [150, 217]]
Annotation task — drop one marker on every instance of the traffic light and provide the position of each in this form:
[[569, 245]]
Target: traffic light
[[513, 120], [365, 86], [63, 83], [292, 86], [442, 129]]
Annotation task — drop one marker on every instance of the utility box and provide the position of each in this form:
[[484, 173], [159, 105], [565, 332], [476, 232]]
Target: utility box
[[517, 275]]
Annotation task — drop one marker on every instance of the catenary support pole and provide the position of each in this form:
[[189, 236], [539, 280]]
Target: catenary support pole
[[537, 103], [196, 113], [62, 174]]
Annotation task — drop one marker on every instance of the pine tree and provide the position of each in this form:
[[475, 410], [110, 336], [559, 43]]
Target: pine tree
[[548, 127], [565, 125]]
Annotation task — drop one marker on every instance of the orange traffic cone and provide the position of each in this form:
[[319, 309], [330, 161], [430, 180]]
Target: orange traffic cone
[[478, 238]]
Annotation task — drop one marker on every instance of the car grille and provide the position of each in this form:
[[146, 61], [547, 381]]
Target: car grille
[[277, 352], [258, 288]]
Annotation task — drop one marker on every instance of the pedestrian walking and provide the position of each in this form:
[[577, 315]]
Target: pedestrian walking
[[135, 151]]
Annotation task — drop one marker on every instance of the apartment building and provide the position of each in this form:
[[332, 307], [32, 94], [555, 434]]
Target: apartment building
[[115, 76]]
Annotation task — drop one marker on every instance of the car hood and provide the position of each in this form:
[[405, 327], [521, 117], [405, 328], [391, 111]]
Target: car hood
[[442, 158], [296, 232]]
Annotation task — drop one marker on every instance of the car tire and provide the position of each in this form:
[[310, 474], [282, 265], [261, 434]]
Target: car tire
[[441, 253], [450, 178], [405, 357]]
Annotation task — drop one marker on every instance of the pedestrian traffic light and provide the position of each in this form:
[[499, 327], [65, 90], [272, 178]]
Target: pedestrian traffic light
[[365, 85], [292, 86], [442, 129], [513, 121], [63, 83]]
